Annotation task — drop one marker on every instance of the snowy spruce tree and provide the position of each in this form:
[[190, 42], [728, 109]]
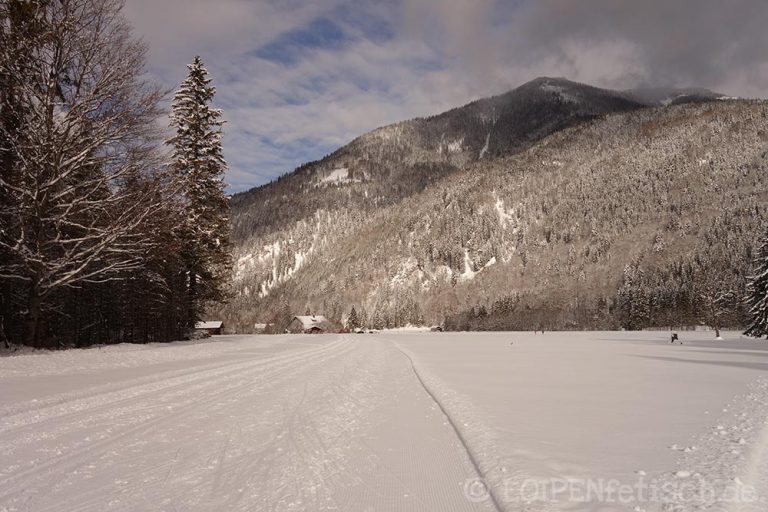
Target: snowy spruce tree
[[757, 291], [199, 168], [353, 322]]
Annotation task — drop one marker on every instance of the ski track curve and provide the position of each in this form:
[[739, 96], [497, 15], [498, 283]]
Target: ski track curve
[[731, 459], [502, 481], [473, 457], [339, 423]]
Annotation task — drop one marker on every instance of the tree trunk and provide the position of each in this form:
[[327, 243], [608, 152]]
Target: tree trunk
[[2, 333], [192, 298], [34, 309]]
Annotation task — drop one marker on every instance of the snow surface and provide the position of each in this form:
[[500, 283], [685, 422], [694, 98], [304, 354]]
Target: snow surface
[[468, 273], [407, 329], [284, 423], [336, 176], [455, 146], [389, 421], [484, 149], [593, 407], [271, 253], [504, 216]]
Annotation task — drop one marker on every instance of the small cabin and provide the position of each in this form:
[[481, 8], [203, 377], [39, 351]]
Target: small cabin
[[213, 327], [309, 324]]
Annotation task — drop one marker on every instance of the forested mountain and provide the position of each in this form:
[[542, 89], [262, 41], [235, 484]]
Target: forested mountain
[[399, 160], [556, 204]]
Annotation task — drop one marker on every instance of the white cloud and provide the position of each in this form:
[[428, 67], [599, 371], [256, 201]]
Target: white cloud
[[404, 58]]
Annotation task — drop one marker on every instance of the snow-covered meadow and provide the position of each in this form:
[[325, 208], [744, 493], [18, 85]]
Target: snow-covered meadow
[[549, 415], [390, 421]]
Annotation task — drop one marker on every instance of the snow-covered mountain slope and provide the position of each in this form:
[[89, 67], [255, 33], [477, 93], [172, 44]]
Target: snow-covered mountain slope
[[645, 199], [663, 96], [384, 166]]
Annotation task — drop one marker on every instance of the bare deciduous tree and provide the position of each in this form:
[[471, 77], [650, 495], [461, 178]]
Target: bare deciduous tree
[[83, 128]]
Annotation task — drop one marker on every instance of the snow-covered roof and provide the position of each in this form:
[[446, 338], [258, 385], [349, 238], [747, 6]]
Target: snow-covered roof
[[311, 321], [214, 324]]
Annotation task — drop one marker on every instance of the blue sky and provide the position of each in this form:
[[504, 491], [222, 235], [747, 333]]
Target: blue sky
[[298, 79]]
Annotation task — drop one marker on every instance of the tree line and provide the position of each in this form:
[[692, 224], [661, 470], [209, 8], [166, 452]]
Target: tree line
[[103, 238]]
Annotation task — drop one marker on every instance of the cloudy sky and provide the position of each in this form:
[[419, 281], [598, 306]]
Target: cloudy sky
[[297, 79]]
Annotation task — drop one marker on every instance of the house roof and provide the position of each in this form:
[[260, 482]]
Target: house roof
[[213, 324], [311, 321]]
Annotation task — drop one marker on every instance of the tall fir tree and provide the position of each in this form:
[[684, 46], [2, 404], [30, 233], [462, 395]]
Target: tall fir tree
[[199, 170], [757, 294]]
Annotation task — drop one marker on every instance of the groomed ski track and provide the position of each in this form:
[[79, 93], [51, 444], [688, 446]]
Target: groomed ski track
[[307, 423], [384, 422]]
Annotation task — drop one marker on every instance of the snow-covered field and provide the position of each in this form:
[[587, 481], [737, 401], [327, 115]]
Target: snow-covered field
[[390, 421]]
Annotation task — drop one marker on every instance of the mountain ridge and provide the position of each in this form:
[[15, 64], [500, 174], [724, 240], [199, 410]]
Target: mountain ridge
[[274, 265], [402, 158]]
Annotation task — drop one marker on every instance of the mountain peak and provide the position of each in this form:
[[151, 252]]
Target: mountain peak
[[391, 163], [547, 79]]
